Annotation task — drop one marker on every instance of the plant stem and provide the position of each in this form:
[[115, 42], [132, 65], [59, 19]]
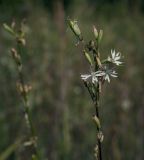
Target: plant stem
[[89, 90], [95, 97], [97, 61], [96, 104], [27, 114]]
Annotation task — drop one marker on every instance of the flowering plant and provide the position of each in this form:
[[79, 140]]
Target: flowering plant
[[100, 71]]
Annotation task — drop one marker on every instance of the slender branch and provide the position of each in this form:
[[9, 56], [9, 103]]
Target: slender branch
[[97, 98], [97, 105], [89, 90], [24, 95], [27, 112]]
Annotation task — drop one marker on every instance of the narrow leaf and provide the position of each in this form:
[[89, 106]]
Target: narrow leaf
[[9, 150], [8, 29]]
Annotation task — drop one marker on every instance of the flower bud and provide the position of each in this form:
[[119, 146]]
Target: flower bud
[[22, 41], [88, 57], [75, 28], [97, 121], [100, 35], [16, 57], [95, 32], [100, 136], [96, 151], [13, 24], [23, 88]]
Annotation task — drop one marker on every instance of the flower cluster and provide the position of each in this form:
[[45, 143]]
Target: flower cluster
[[104, 73], [101, 71]]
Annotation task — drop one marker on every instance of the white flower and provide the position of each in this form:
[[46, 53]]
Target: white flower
[[115, 57], [93, 77], [85, 76], [106, 74]]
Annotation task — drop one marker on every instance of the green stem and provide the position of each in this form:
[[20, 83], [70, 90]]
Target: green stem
[[89, 90]]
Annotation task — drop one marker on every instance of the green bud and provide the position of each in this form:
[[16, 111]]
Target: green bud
[[75, 28], [95, 32], [88, 57], [100, 35]]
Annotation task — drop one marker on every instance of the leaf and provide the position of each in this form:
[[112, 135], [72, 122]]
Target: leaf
[[8, 29], [97, 121], [88, 57], [9, 150]]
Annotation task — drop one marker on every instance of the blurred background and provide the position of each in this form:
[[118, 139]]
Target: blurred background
[[60, 105]]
